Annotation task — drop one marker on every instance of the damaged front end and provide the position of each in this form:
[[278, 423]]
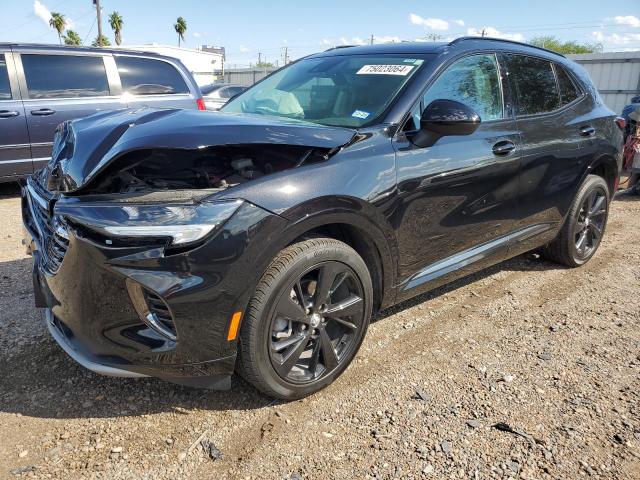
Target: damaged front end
[[137, 256], [144, 150]]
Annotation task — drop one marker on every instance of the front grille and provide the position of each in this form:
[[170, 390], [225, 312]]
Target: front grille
[[160, 309], [51, 229]]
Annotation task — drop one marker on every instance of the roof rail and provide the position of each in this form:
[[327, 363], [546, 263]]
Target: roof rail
[[339, 46], [460, 39]]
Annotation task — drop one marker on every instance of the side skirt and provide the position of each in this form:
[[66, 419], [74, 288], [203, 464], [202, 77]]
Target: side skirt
[[475, 255]]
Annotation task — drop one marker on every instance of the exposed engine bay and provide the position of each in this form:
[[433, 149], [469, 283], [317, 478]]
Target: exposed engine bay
[[218, 167]]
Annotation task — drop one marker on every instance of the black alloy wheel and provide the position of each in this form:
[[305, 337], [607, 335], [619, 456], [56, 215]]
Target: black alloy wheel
[[306, 320], [590, 223], [583, 229], [315, 323]]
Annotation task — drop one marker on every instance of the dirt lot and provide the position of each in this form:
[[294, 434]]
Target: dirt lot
[[528, 370]]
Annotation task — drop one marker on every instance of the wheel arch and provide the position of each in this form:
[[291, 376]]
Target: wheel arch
[[360, 226], [605, 166]]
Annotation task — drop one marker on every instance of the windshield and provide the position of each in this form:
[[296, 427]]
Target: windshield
[[344, 91]]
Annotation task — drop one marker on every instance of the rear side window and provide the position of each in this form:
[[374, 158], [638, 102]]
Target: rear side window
[[534, 83], [146, 76], [5, 88], [568, 89], [473, 81], [65, 76]]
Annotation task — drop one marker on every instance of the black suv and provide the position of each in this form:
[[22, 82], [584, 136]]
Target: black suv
[[186, 245]]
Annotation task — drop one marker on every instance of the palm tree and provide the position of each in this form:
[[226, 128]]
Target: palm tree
[[116, 22], [72, 38], [181, 28], [58, 22], [101, 42]]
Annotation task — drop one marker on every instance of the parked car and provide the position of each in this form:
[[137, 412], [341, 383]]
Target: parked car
[[44, 85], [261, 238], [217, 94], [626, 111]]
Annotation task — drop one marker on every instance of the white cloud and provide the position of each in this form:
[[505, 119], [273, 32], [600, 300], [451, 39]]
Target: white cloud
[[197, 34], [344, 41], [41, 11], [615, 38], [629, 20], [459, 22], [431, 23], [358, 41], [244, 49], [492, 32], [325, 41]]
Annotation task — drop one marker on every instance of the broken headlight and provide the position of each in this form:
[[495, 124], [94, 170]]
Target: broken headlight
[[181, 224]]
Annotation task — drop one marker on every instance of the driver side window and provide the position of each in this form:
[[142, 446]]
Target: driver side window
[[474, 81]]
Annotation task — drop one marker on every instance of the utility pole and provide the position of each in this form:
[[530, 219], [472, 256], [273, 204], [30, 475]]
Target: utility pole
[[484, 33], [371, 41], [434, 36], [285, 55], [99, 20], [259, 58]]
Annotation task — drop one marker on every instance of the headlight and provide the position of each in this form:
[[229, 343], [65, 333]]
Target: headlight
[[183, 224]]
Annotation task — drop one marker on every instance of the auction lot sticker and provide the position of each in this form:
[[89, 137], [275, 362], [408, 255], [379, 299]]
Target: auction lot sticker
[[401, 70]]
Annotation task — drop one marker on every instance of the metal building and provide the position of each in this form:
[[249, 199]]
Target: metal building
[[615, 74], [244, 76]]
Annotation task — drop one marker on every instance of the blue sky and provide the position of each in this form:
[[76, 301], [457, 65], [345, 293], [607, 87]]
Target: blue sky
[[246, 27]]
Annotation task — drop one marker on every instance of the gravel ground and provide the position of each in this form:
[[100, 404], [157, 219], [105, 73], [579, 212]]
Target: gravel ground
[[527, 370]]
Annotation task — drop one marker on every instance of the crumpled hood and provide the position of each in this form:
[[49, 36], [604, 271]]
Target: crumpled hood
[[100, 139]]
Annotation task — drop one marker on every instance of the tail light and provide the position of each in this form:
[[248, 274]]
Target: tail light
[[200, 104], [621, 122]]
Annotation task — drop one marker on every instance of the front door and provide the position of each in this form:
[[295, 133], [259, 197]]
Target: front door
[[15, 153], [458, 198]]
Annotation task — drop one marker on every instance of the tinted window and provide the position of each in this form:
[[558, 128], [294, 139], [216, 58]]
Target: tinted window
[[5, 88], [473, 81], [568, 90], [64, 76], [535, 84], [145, 76]]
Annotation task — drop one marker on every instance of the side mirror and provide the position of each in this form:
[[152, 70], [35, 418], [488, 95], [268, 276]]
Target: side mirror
[[443, 118]]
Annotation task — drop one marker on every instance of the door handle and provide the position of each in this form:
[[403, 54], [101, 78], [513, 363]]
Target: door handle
[[43, 111], [504, 147], [587, 131], [8, 113]]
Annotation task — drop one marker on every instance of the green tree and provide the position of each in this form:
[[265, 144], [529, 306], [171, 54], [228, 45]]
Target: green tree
[[116, 22], [72, 38], [264, 65], [105, 42], [58, 22], [181, 28], [552, 43]]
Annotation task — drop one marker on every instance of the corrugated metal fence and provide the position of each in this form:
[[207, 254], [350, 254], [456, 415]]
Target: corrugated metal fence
[[246, 76], [616, 75]]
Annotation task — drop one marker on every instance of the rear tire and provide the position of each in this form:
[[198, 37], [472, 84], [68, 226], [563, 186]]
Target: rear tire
[[582, 232], [307, 319]]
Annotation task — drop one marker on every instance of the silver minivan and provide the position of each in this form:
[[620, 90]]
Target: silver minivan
[[44, 85]]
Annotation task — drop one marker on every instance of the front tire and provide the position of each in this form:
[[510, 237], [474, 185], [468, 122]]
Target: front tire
[[582, 232], [307, 319]]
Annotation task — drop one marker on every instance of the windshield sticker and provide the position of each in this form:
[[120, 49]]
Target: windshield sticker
[[360, 114], [401, 70]]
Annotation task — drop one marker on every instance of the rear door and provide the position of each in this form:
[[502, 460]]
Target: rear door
[[15, 153], [59, 86], [551, 136], [153, 82]]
